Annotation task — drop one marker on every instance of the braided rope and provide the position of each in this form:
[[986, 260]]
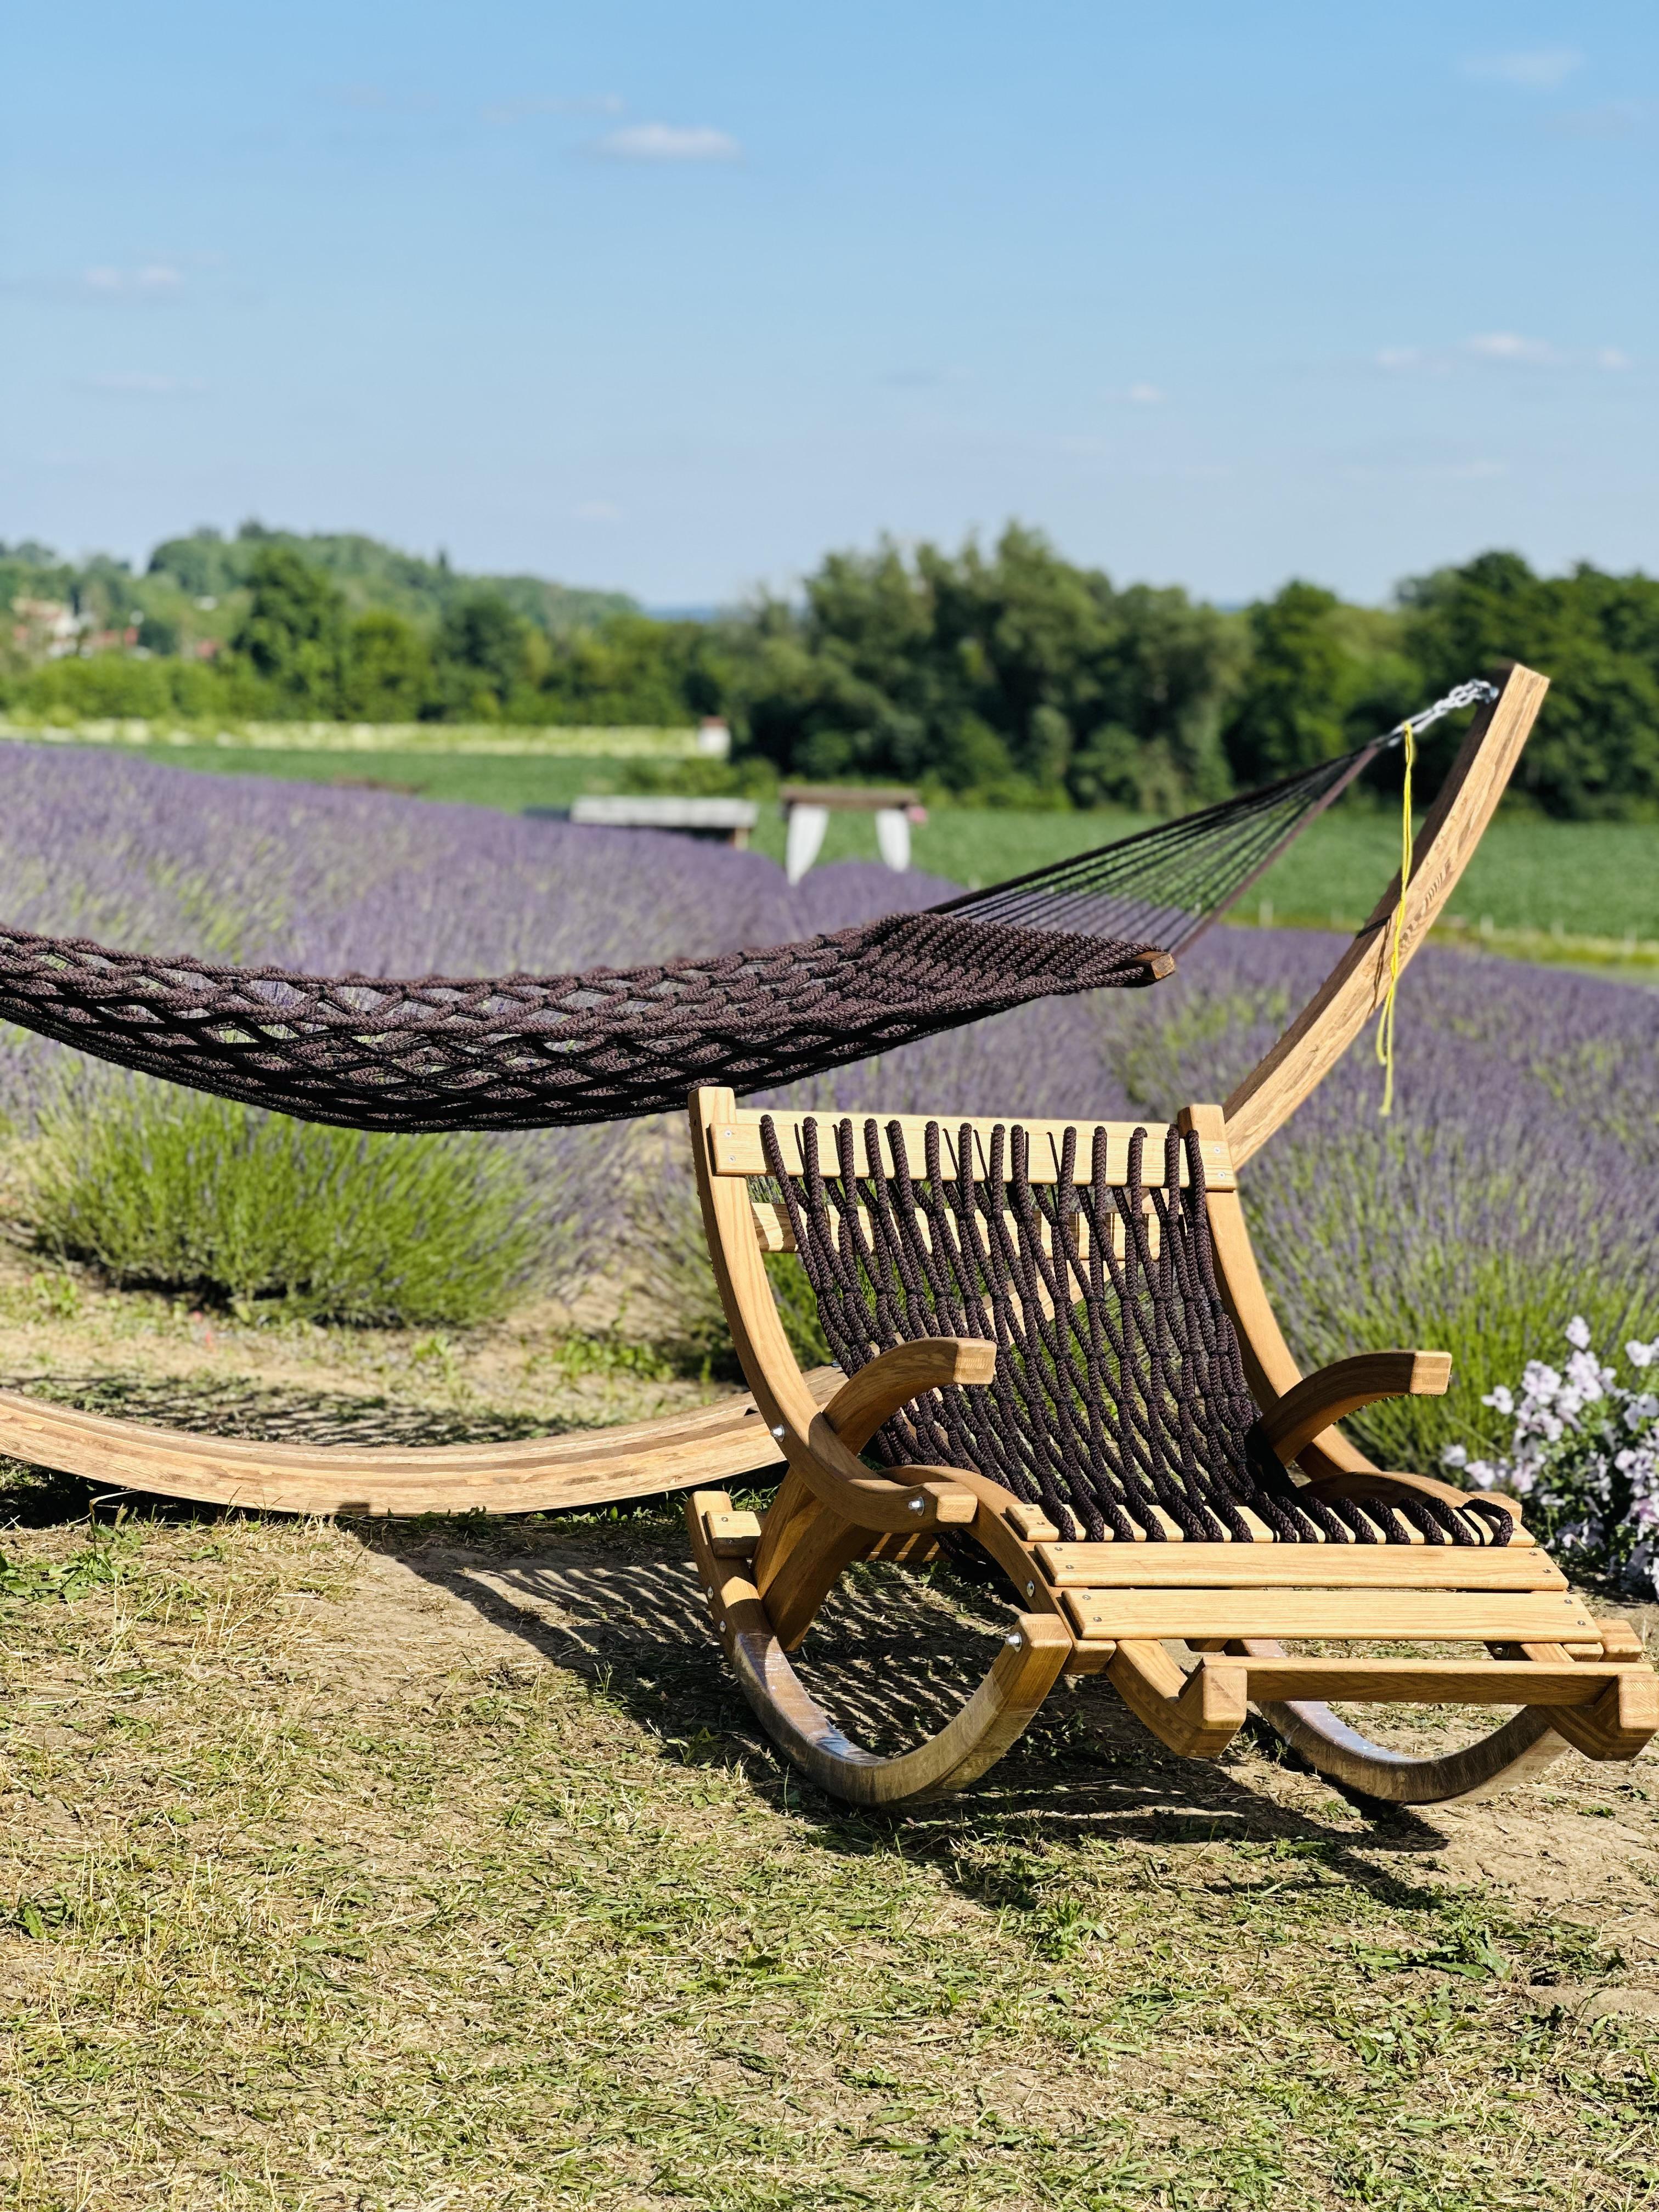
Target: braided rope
[[1119, 1404]]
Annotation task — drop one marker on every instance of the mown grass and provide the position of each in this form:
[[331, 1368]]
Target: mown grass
[[345, 1875]]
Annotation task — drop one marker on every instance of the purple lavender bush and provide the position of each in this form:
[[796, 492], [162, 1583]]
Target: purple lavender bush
[[1513, 1187]]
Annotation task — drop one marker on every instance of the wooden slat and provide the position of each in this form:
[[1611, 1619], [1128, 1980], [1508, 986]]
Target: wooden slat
[[774, 1232], [1381, 1616], [736, 1150], [1427, 1682], [1307, 1566]]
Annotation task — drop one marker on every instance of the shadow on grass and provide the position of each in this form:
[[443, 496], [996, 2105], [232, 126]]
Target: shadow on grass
[[892, 1657]]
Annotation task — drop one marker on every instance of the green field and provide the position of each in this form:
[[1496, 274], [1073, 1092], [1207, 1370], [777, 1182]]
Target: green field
[[1583, 880]]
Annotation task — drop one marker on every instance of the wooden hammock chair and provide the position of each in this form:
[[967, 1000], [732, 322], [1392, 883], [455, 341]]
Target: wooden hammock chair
[[727, 1441], [1059, 1353]]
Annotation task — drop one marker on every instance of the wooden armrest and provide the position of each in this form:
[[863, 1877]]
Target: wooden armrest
[[1317, 1402], [871, 1396]]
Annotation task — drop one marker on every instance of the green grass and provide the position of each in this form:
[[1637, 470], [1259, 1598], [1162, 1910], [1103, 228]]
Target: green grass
[[174, 1189], [529, 1916], [1598, 880]]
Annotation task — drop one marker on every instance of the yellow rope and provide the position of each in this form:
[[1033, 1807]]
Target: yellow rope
[[1385, 1027]]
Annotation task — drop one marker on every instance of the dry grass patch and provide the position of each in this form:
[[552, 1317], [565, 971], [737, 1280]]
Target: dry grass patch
[[440, 1867]]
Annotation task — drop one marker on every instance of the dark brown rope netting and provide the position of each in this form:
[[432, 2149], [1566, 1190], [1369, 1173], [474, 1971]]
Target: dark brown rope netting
[[528, 1051], [519, 1052], [1119, 1403]]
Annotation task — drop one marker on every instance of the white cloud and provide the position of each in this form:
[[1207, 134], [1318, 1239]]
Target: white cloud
[[1136, 395], [1497, 350], [155, 280], [668, 142], [598, 510], [1508, 345], [1531, 68]]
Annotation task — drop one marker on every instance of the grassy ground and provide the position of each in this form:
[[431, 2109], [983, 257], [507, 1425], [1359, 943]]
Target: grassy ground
[[1532, 882], [439, 1865]]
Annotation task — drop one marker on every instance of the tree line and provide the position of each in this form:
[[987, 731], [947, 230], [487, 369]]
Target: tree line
[[1007, 676]]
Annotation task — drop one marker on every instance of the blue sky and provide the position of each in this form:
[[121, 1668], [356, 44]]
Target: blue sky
[[676, 299]]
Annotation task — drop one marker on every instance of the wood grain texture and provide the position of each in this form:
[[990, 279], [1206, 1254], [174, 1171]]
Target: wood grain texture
[[589, 1466], [1307, 1566], [1575, 1683], [894, 1377], [1371, 1615], [1312, 1405], [735, 1147], [1197, 1715], [1355, 988], [1027, 1665]]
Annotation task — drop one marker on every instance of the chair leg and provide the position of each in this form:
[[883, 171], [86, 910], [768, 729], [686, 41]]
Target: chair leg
[[994, 1716]]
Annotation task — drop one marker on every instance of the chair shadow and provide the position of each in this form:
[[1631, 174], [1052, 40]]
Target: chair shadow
[[892, 1657]]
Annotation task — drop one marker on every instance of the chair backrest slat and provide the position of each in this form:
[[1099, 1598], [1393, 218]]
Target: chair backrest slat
[[736, 1148]]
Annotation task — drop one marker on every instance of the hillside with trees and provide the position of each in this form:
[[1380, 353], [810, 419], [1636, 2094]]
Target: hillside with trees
[[1008, 676]]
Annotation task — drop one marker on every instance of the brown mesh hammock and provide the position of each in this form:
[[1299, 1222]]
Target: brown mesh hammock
[[518, 1052]]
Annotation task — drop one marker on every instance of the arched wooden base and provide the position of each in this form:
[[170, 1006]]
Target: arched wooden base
[[997, 1714], [1524, 1745], [589, 1467]]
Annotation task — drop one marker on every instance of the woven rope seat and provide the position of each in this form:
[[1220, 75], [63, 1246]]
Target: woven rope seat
[[1119, 1404]]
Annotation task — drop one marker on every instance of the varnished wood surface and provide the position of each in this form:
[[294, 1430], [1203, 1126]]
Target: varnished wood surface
[[588, 1466], [1356, 987], [1375, 1615], [735, 1146], [1308, 1566]]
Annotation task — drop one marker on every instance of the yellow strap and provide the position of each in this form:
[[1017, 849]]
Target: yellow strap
[[1385, 1027]]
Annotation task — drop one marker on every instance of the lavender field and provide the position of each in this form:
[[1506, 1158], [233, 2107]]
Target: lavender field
[[1517, 1184]]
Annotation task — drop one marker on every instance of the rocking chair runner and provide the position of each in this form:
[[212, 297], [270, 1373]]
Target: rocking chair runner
[[1058, 1347]]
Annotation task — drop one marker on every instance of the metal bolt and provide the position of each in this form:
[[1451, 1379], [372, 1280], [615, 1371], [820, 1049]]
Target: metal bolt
[[778, 1431], [1014, 1641], [1030, 1590], [709, 1593], [917, 1504]]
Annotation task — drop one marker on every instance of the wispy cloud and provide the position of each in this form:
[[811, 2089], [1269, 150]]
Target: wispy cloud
[[1138, 395], [668, 142], [502, 113], [1529, 69], [153, 280], [1499, 349], [598, 510]]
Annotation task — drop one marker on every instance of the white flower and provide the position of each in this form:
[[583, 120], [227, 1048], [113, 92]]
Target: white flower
[[1540, 1382], [1640, 1354], [1578, 1332], [1456, 1455], [1501, 1399]]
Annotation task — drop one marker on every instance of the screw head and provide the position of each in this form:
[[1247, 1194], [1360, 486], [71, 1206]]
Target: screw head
[[917, 1504], [777, 1431], [1030, 1590], [1015, 1640]]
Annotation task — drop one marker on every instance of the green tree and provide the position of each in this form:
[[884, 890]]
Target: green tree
[[1289, 713], [388, 670], [293, 635], [482, 654], [1594, 753]]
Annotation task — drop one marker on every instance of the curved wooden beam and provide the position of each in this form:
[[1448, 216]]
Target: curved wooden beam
[[589, 1467], [1355, 988]]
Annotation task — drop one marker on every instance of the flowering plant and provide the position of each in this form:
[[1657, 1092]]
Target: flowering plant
[[1585, 1453]]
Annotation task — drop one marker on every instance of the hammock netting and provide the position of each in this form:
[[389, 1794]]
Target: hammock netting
[[526, 1052]]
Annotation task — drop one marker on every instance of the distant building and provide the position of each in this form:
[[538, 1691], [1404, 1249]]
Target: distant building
[[45, 627]]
